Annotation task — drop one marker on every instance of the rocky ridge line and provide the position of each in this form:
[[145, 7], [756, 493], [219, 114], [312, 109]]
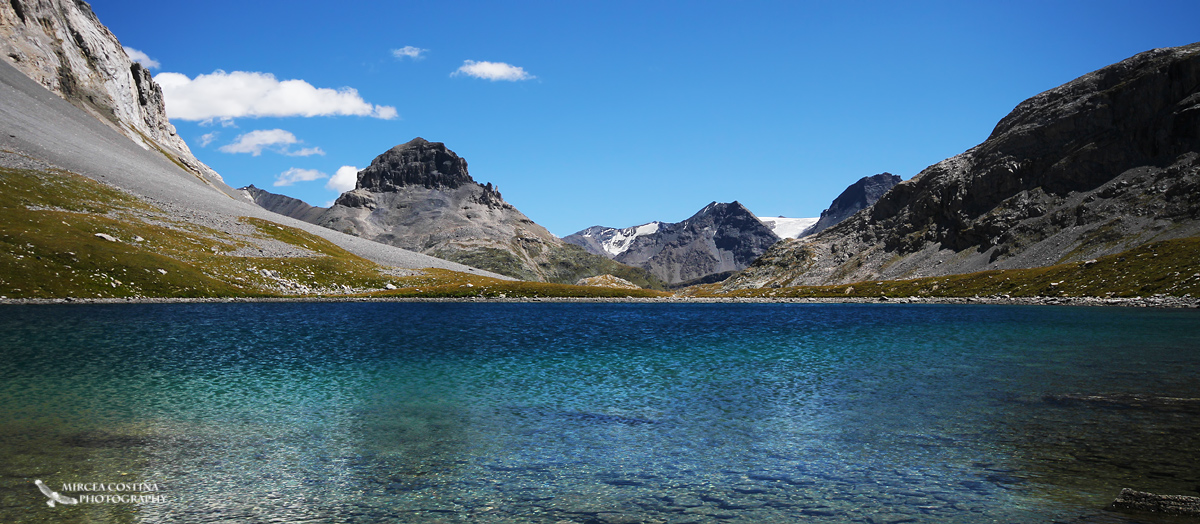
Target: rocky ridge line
[[721, 237], [1100, 165], [860, 195]]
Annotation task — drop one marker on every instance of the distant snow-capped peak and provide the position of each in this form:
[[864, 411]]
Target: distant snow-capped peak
[[616, 241]]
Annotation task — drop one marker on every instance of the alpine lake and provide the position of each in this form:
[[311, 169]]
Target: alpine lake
[[594, 413]]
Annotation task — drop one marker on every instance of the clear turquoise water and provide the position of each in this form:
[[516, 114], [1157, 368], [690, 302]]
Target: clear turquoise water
[[457, 412]]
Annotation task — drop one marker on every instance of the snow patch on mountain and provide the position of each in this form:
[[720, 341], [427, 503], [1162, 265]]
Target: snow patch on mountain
[[788, 227], [616, 241]]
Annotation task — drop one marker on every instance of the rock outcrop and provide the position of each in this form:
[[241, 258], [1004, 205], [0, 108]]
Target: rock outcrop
[[63, 46], [419, 196], [1102, 164], [607, 281], [282, 204], [860, 195], [718, 238]]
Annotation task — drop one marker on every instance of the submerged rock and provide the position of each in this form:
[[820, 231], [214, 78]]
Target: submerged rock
[[1143, 502], [1130, 401]]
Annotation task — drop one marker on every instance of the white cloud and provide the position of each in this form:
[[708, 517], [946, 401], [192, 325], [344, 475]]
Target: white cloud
[[492, 71], [208, 138], [243, 94], [276, 140], [296, 174], [344, 180], [308, 151], [141, 58], [385, 112], [224, 121], [255, 141], [408, 51]]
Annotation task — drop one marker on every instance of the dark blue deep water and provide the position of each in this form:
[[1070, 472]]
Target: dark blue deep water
[[462, 412]]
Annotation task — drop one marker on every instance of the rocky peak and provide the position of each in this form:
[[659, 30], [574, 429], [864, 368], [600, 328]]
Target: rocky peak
[[722, 209], [417, 162], [860, 195], [720, 238]]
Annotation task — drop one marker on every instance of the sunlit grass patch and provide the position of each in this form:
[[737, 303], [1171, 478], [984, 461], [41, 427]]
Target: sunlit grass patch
[[1170, 267], [442, 283]]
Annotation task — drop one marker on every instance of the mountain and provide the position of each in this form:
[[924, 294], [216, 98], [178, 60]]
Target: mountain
[[1107, 162], [63, 46], [282, 204], [420, 196], [719, 238], [97, 188], [855, 198]]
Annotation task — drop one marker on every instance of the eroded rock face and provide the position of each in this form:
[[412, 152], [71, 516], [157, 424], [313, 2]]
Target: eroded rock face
[[415, 163], [62, 45], [721, 237], [419, 196], [1097, 166]]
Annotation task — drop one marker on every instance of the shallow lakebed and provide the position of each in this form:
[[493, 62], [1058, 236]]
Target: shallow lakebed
[[477, 412]]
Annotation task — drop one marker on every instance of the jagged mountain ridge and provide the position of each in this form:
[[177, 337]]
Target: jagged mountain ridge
[[721, 237], [62, 45], [610, 241], [420, 196], [1099, 165], [282, 204], [860, 195]]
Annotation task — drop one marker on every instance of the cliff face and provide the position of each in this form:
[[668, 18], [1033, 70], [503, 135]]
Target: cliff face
[[720, 238], [61, 45], [1097, 166], [860, 195], [419, 196], [415, 163]]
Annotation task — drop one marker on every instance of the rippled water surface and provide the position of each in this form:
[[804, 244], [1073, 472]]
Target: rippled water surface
[[457, 412]]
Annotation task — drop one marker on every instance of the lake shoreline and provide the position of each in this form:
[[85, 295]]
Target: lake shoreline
[[1144, 302]]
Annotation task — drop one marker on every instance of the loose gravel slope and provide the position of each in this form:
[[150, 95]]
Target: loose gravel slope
[[37, 123]]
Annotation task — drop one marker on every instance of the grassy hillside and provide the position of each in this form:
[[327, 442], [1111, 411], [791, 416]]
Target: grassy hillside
[[449, 284], [55, 231], [65, 235], [1169, 267]]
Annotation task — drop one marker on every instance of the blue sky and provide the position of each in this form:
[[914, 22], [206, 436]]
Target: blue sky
[[620, 113]]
